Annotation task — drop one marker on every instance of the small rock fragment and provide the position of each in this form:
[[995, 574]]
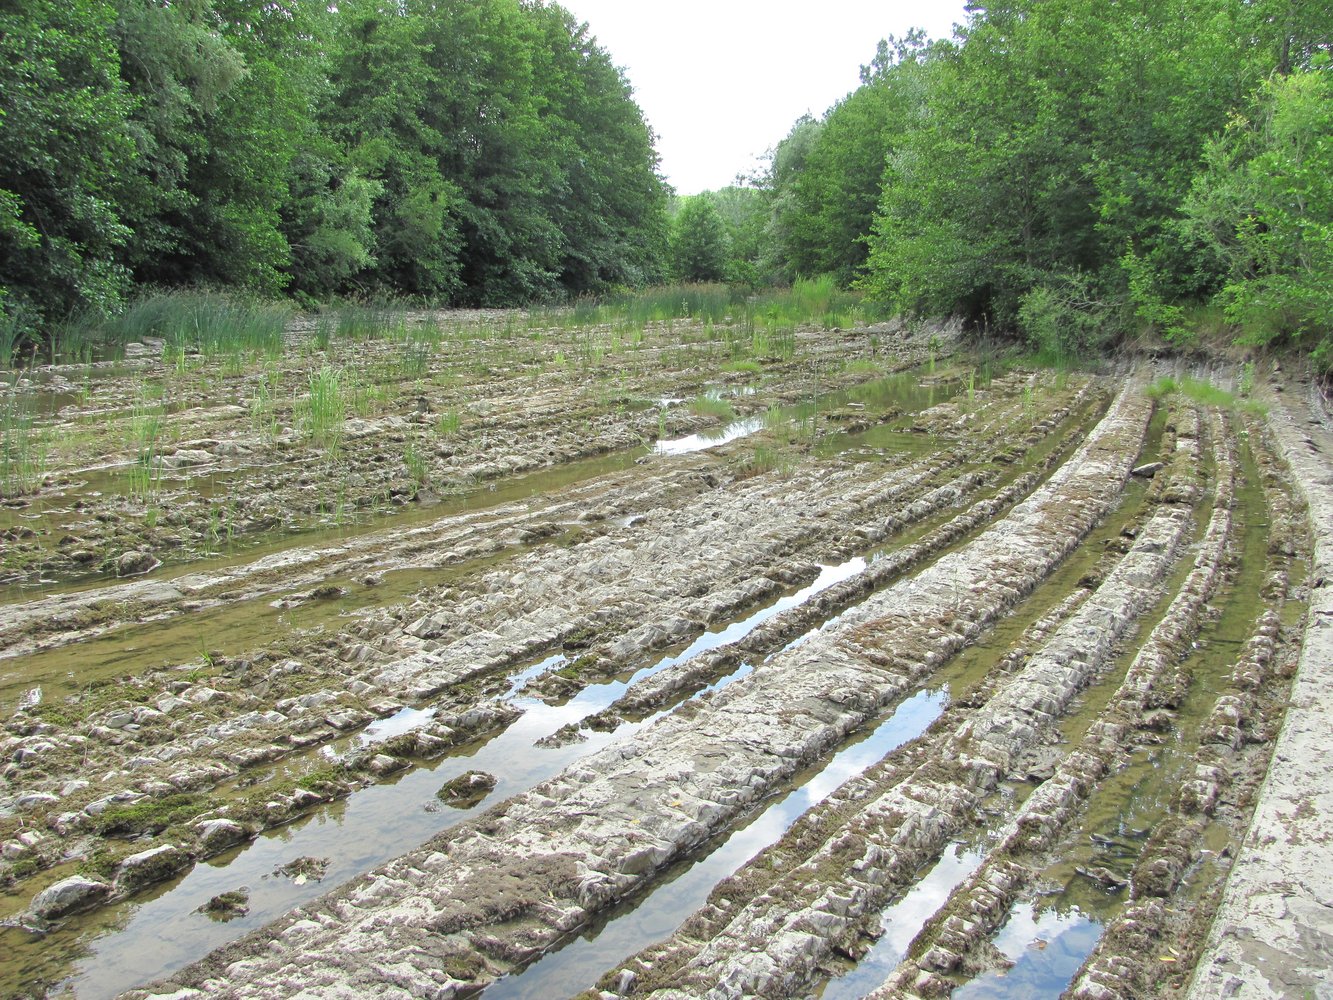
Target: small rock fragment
[[136, 562], [68, 895], [467, 790]]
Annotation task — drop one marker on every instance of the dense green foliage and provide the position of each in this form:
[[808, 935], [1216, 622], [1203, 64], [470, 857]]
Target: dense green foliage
[[64, 156], [828, 202], [700, 245], [1076, 170], [1063, 136], [1263, 205], [471, 151]]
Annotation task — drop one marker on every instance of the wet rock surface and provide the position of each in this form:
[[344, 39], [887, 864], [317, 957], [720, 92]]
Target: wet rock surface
[[577, 668], [67, 895], [586, 838], [467, 790]]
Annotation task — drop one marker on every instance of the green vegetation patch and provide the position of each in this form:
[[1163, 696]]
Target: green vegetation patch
[[148, 816], [711, 406]]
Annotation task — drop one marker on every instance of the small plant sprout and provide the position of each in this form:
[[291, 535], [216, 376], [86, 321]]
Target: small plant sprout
[[449, 423], [417, 468]]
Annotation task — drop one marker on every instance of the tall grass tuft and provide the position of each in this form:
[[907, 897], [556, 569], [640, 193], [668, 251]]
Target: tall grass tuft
[[768, 458], [146, 473], [323, 410], [71, 342], [449, 423], [365, 321], [212, 324], [263, 419], [416, 357], [1203, 393], [417, 467], [774, 341], [817, 301], [711, 406], [23, 449]]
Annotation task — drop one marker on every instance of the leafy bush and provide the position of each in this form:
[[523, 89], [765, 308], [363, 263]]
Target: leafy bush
[[1264, 205], [700, 246], [1064, 319]]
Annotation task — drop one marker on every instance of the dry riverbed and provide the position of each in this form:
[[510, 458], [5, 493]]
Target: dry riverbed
[[486, 651]]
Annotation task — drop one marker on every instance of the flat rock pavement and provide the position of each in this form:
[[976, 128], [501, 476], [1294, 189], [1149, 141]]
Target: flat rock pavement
[[1273, 934]]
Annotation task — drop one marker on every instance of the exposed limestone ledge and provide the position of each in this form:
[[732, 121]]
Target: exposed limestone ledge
[[528, 872], [1273, 934]]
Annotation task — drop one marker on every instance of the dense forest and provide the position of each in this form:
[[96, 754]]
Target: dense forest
[[460, 151], [1076, 170]]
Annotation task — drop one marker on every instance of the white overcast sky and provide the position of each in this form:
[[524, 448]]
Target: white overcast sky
[[722, 81]]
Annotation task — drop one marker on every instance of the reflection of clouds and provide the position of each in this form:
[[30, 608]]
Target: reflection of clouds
[[902, 921], [699, 442], [1026, 926], [908, 721], [405, 720], [1047, 947], [828, 576]]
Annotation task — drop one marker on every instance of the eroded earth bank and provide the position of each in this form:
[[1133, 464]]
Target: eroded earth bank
[[669, 659]]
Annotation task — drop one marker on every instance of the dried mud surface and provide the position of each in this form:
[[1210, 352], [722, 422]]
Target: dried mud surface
[[281, 620]]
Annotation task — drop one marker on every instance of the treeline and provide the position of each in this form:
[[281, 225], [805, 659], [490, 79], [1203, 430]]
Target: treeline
[[459, 151], [1077, 170]]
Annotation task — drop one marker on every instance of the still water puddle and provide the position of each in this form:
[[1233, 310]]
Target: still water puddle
[[684, 886], [403, 721], [902, 921], [711, 439], [1047, 947]]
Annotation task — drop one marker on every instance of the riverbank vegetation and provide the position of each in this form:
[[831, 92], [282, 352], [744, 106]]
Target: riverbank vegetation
[[1076, 173], [454, 152]]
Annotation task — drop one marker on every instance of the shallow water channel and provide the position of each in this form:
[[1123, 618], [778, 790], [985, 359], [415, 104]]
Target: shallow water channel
[[1048, 937], [684, 886], [153, 934], [156, 932], [1052, 929]]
